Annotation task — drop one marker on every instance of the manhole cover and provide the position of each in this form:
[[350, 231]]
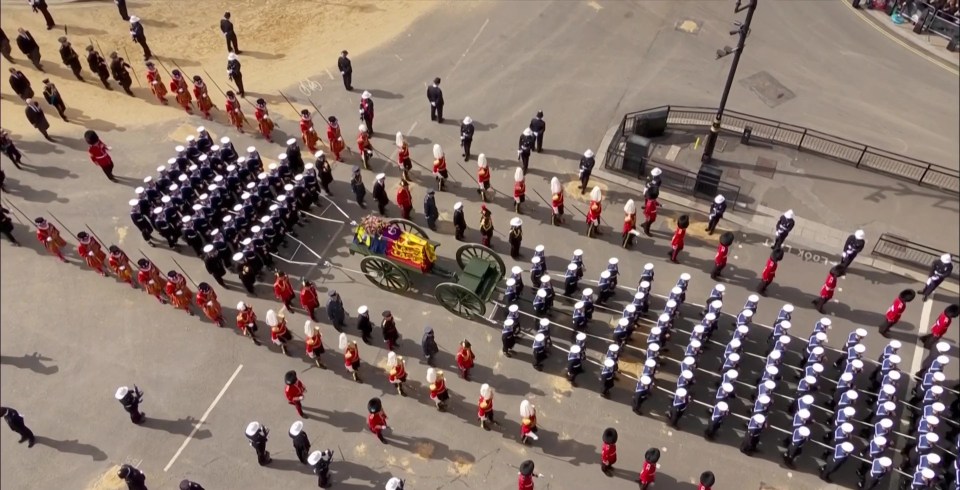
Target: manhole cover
[[689, 26], [768, 89], [766, 167]]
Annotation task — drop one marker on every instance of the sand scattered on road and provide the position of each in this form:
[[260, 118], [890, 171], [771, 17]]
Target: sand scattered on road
[[424, 450], [460, 466], [108, 481]]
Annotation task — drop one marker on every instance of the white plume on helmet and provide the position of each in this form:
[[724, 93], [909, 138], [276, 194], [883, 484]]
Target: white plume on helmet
[[630, 207], [518, 175], [308, 328], [527, 409], [431, 375], [392, 359], [588, 153], [482, 160], [344, 341], [527, 132], [486, 391], [555, 186], [399, 139], [271, 318], [437, 151], [596, 194]]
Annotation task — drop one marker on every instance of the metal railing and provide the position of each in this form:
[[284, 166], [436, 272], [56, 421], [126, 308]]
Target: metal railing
[[803, 139], [911, 254], [930, 18]]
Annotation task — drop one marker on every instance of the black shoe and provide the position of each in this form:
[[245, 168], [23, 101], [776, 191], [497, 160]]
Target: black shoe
[[33, 441]]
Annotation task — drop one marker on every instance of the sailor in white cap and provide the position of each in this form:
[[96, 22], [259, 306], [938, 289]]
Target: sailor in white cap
[[606, 287], [301, 443], [320, 461], [571, 280], [466, 136], [459, 222], [515, 237], [539, 351], [380, 193], [395, 483], [607, 375], [851, 248], [940, 270], [717, 209], [524, 147], [366, 110], [131, 399], [257, 435]]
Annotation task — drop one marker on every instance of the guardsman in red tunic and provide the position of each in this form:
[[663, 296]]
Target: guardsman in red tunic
[[403, 156], [485, 406], [377, 418], [156, 83], [279, 333], [99, 154], [351, 357], [336, 140], [309, 300], [149, 278], [594, 211], [92, 253], [519, 190], [483, 177], [396, 371], [49, 236], [650, 210], [294, 391], [556, 201], [283, 290], [364, 145], [525, 476], [649, 471], [676, 243], [829, 286], [247, 321], [404, 199], [528, 422], [314, 342], [629, 223], [440, 167], [769, 271], [307, 131], [264, 122], [438, 388], [720, 260], [896, 310], [707, 479], [120, 265], [178, 86], [608, 454], [207, 301], [232, 107], [204, 102], [178, 292], [940, 327], [465, 359]]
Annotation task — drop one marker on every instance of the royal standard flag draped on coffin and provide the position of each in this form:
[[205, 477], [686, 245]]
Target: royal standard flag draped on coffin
[[413, 251]]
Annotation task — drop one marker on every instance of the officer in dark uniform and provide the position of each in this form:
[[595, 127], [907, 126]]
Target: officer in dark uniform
[[524, 146], [717, 209], [98, 65], [246, 271], [380, 194], [435, 97], [359, 190], [459, 221], [681, 400], [226, 27], [851, 248], [234, 73], [257, 435], [301, 443], [70, 57], [134, 478], [430, 211], [784, 225], [515, 237], [346, 70], [587, 161], [466, 136], [940, 270], [538, 126], [192, 236], [320, 461], [118, 69], [131, 399], [15, 421]]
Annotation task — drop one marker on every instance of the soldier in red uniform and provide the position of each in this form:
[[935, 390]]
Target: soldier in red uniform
[[650, 210], [351, 357], [336, 140], [707, 479], [156, 83], [769, 271], [207, 301], [940, 327], [404, 199], [720, 260], [264, 122], [608, 454], [364, 146], [483, 177], [307, 131], [403, 156], [309, 300], [629, 224], [438, 388], [232, 106], [314, 342], [528, 422], [896, 310], [377, 418], [119, 263], [485, 406], [396, 371], [465, 359], [178, 86], [829, 286], [149, 278], [649, 472], [556, 201], [594, 211], [279, 333], [49, 236], [440, 167], [486, 226], [178, 292], [99, 154], [204, 102], [283, 290], [294, 391], [519, 190], [92, 253], [676, 243], [525, 476], [247, 321]]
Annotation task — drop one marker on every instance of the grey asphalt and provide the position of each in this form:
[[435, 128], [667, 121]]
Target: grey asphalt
[[583, 66]]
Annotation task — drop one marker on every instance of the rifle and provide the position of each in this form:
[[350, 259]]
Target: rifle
[[135, 76]]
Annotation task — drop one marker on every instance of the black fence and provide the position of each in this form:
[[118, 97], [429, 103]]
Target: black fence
[[803, 139], [927, 17], [911, 254]]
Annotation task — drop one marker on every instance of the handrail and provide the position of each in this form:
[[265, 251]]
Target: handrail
[[909, 253]]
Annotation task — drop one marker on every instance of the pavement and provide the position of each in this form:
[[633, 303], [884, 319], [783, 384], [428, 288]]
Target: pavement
[[928, 42], [500, 63]]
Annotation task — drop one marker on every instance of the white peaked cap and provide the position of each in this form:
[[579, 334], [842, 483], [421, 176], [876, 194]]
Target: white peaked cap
[[696, 345], [513, 308], [526, 409], [596, 194], [344, 341], [804, 431], [511, 282], [743, 329], [578, 253], [938, 407], [759, 418], [727, 387], [933, 458], [486, 391], [431, 375], [578, 305], [588, 153], [943, 347], [542, 293], [685, 276], [121, 392], [656, 171], [296, 428], [527, 132], [134, 19], [654, 347], [734, 357], [516, 270], [894, 375], [581, 337], [698, 329], [932, 419], [399, 139], [362, 309], [208, 248], [555, 186], [860, 348], [716, 304], [252, 428], [645, 380], [894, 358], [575, 349], [362, 128], [648, 266], [846, 426], [605, 274], [681, 392], [847, 446], [721, 405], [308, 328], [655, 331], [237, 257], [821, 337], [886, 423], [648, 363], [457, 205], [810, 380], [763, 399], [631, 308], [939, 377], [437, 151], [394, 483], [732, 373], [314, 458], [467, 120], [544, 322], [772, 370], [818, 368], [630, 207], [687, 374], [775, 355], [945, 258], [846, 376], [753, 298], [540, 337], [539, 248], [885, 461], [508, 322], [719, 199], [318, 154], [366, 94], [861, 332], [231, 56], [735, 343], [664, 317], [859, 234], [226, 139], [880, 440], [857, 363], [623, 322], [787, 308], [518, 175], [572, 267], [788, 214], [482, 162], [588, 292], [638, 295], [516, 222], [613, 261], [201, 129], [927, 473], [381, 176], [251, 149], [804, 413]]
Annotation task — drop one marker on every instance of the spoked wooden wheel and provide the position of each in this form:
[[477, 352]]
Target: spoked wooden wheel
[[459, 300], [385, 274], [474, 251], [409, 226]]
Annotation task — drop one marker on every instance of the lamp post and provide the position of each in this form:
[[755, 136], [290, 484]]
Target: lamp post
[[743, 29]]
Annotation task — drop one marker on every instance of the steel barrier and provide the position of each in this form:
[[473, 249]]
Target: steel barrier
[[912, 254]]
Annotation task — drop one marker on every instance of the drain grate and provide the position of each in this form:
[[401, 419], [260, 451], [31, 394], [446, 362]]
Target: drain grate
[[766, 167]]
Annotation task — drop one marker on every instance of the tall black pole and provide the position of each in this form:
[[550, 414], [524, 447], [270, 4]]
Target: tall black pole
[[711, 142]]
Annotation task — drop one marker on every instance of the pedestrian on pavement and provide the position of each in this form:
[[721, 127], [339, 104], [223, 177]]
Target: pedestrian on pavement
[[52, 95], [893, 314], [851, 248], [139, 36], [364, 325], [459, 221], [940, 270], [524, 147], [769, 271], [346, 70], [828, 288], [396, 372], [20, 84], [430, 211], [6, 226], [134, 478], [380, 193], [940, 327], [648, 474], [528, 422], [515, 237], [388, 326], [435, 97], [70, 57], [233, 72], [465, 359], [118, 69], [5, 48], [377, 418], [608, 452], [438, 388], [429, 345], [587, 162], [29, 47], [466, 136], [359, 190], [279, 333], [301, 443], [15, 421], [131, 399], [351, 357], [336, 312], [40, 6], [366, 111], [226, 27], [37, 118], [650, 206], [676, 243], [257, 435], [99, 152], [538, 126], [404, 200], [486, 226], [10, 149], [717, 209]]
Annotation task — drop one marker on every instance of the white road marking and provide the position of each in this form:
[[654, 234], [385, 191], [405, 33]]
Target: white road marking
[[398, 57], [921, 330], [329, 74], [464, 55], [412, 127], [203, 419]]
